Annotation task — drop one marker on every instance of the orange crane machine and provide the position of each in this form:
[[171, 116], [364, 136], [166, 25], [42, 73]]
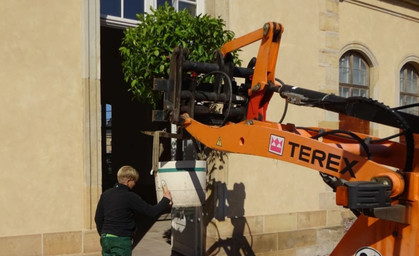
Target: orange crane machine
[[377, 178]]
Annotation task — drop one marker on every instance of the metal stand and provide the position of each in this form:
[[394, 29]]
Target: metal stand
[[188, 231]]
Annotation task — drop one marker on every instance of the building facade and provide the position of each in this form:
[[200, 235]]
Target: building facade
[[56, 82]]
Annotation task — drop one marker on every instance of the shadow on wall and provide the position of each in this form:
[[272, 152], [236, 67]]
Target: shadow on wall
[[224, 203]]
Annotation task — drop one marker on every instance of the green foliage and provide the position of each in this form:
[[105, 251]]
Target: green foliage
[[146, 49]]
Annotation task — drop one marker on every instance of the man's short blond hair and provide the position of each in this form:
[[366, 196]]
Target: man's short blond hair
[[127, 172]]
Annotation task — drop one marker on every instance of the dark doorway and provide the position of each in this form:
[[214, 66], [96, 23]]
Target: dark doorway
[[126, 144]]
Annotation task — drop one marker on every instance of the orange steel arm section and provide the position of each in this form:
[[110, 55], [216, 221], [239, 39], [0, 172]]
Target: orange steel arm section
[[264, 73], [382, 153], [292, 145], [336, 158]]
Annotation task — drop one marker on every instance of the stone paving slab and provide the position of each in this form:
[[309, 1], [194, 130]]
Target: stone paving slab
[[153, 243]]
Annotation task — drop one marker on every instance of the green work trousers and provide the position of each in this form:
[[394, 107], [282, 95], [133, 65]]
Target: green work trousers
[[116, 246]]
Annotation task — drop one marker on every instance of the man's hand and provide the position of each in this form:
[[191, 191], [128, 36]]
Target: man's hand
[[166, 192]]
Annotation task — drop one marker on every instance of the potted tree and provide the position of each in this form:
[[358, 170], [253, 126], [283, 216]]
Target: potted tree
[[147, 48]]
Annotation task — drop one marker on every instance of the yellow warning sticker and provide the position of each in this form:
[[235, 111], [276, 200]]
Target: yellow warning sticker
[[219, 143]]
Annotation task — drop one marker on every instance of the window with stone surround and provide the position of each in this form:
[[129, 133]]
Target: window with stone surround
[[354, 76], [122, 13], [409, 88]]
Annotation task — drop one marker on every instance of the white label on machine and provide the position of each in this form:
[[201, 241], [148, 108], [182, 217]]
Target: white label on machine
[[367, 251], [276, 145]]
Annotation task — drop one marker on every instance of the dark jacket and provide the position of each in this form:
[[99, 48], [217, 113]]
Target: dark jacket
[[116, 208]]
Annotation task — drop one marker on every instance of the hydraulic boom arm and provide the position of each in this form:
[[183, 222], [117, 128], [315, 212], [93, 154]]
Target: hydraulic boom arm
[[377, 178]]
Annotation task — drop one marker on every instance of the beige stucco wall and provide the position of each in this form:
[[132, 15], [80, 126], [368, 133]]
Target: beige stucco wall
[[41, 131]]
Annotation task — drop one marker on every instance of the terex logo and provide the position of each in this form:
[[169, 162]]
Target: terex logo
[[276, 145], [329, 161]]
